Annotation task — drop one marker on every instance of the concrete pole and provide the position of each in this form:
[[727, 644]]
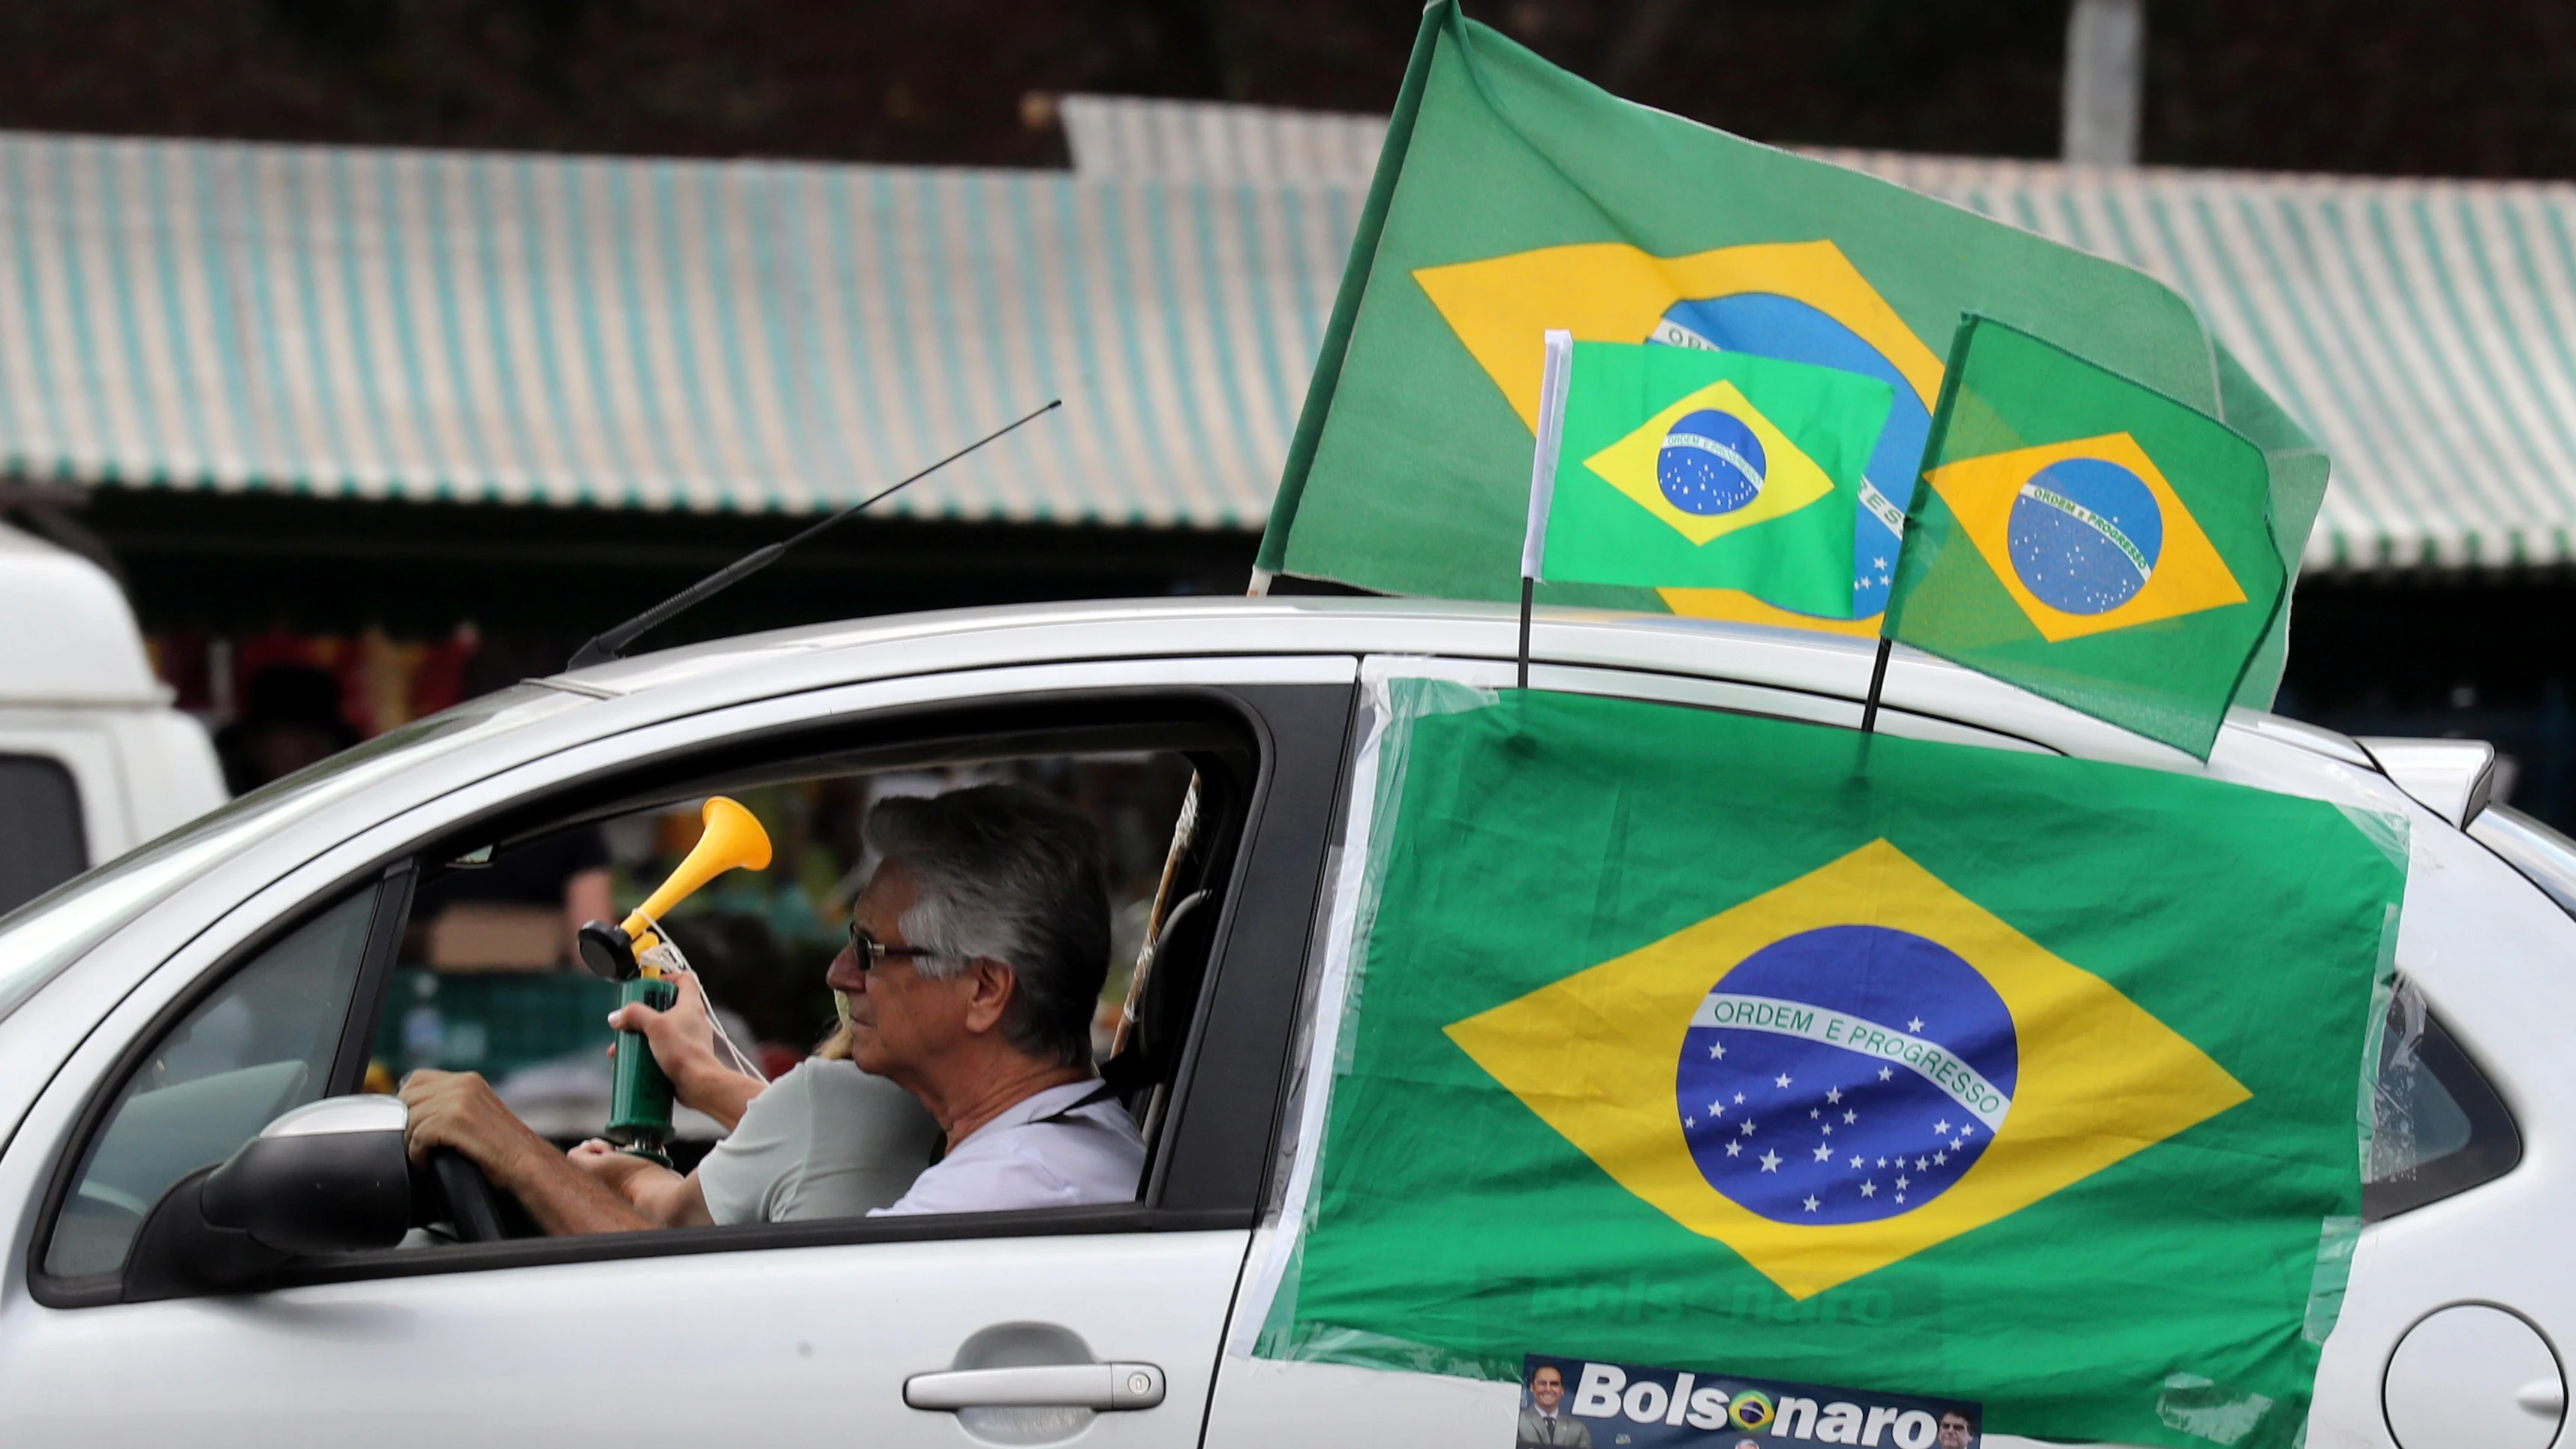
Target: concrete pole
[[2105, 50]]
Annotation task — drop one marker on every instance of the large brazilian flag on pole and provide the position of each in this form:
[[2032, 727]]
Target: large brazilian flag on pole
[[1766, 1049], [1513, 197]]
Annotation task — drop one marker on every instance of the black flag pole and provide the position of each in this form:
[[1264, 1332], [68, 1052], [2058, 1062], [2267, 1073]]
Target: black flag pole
[[1877, 681], [1529, 590]]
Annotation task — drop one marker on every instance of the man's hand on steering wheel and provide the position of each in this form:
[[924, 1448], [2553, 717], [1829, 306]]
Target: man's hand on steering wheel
[[459, 1110]]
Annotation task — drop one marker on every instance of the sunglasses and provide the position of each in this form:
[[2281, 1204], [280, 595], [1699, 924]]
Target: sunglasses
[[869, 952]]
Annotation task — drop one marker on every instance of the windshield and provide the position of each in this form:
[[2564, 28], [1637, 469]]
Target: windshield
[[48, 933], [2545, 857]]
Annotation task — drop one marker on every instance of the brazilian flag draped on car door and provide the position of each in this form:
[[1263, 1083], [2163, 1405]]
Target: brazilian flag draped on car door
[[1513, 197], [1762, 1048]]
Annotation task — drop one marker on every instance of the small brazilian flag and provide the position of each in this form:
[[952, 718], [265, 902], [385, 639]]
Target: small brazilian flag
[[2088, 539], [1746, 1046], [1712, 470]]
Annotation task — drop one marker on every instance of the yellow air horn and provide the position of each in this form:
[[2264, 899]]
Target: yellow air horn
[[732, 838], [639, 1116]]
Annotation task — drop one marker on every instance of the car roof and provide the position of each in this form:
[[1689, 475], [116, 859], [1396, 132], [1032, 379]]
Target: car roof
[[719, 672]]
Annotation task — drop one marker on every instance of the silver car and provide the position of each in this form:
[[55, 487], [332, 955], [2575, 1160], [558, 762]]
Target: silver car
[[233, 983]]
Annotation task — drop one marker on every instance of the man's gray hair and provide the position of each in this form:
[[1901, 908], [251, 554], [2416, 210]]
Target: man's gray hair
[[1011, 875]]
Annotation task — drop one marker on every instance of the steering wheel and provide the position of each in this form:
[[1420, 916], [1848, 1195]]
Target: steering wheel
[[472, 1207]]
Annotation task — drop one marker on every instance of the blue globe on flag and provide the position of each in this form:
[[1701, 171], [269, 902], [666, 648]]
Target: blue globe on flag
[[1845, 1075], [2085, 535], [1711, 463]]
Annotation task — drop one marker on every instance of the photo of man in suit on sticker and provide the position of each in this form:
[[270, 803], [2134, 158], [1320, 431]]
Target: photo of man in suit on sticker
[[1544, 1425]]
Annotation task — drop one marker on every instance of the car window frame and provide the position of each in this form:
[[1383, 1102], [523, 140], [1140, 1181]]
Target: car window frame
[[391, 885], [1182, 1193]]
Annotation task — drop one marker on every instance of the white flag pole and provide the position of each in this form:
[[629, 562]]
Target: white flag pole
[[1553, 380]]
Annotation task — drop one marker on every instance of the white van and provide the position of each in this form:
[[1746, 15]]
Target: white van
[[93, 760]]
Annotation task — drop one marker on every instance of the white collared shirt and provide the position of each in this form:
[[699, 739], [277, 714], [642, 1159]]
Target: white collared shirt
[[1042, 1151]]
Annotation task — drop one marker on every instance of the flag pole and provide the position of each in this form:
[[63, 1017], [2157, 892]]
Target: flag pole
[[1551, 436], [1877, 681]]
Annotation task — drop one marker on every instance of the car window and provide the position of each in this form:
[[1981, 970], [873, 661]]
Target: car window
[[261, 1043], [53, 930], [2438, 1129], [44, 845]]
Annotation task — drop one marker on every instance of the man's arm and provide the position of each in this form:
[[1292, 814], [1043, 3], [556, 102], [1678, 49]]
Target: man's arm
[[664, 1197], [458, 1110]]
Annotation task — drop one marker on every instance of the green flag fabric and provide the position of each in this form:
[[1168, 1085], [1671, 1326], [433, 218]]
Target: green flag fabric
[[1769, 1049], [1513, 197], [2088, 539], [1712, 470]]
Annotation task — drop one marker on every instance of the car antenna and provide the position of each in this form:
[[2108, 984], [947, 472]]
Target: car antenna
[[607, 645]]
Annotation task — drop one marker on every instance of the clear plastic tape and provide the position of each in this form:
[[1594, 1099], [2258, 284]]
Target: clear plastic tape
[[1262, 1326]]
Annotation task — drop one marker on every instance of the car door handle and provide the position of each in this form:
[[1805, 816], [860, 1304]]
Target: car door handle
[[1102, 1386]]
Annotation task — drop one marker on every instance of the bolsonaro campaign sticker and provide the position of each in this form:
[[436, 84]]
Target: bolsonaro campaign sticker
[[1573, 1403]]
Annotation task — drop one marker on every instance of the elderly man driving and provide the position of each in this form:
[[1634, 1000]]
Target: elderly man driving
[[977, 953]]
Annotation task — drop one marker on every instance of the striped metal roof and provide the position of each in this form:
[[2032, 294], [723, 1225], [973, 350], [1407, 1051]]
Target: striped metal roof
[[2424, 331], [736, 335], [1136, 138], [547, 329]]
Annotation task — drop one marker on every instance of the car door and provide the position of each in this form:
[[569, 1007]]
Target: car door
[[1263, 1401], [2455, 1308], [773, 1333]]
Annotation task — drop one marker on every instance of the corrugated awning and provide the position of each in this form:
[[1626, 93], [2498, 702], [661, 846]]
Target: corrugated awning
[[543, 329], [734, 335], [2423, 331]]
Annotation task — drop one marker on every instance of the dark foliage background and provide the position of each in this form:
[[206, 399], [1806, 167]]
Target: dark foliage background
[[2458, 87]]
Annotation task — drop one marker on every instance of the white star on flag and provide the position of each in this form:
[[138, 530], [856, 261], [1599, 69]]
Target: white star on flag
[[1833, 1094], [1915, 1025], [1811, 1202], [1869, 1189], [1734, 1148], [1781, 1080], [1824, 1151], [1747, 1127], [1770, 1162]]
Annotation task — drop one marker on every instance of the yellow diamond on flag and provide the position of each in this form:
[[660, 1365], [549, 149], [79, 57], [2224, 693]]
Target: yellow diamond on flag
[[1886, 999], [2073, 562], [1787, 479]]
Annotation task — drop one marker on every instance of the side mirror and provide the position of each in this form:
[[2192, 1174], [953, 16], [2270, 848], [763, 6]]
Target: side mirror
[[330, 1176]]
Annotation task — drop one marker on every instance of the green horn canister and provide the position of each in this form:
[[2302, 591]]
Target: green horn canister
[[639, 1101]]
